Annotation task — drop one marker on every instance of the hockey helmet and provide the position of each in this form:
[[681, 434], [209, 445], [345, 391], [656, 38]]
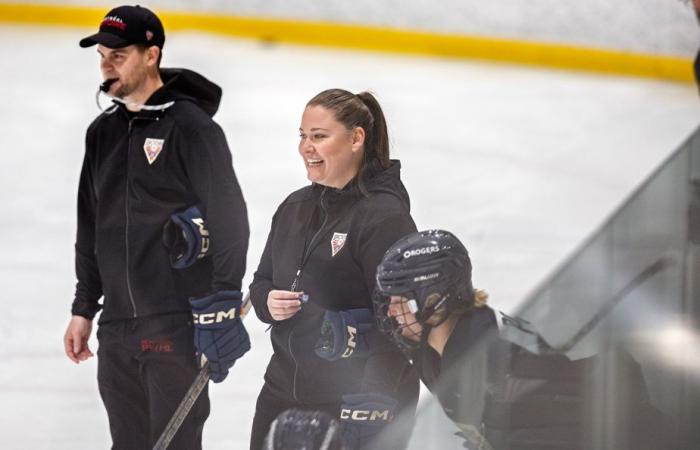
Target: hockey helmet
[[432, 273]]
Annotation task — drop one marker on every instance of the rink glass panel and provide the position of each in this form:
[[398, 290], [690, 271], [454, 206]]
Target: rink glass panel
[[633, 289]]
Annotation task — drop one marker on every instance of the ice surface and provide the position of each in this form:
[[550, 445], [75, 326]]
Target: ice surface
[[520, 163]]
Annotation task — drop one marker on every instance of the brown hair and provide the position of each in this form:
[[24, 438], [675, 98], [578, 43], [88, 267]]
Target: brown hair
[[142, 48], [361, 110]]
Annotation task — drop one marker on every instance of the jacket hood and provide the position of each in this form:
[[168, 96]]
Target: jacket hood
[[377, 179], [184, 84], [374, 180]]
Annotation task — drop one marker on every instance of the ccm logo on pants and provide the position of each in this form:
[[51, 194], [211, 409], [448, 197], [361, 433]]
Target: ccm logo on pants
[[362, 415]]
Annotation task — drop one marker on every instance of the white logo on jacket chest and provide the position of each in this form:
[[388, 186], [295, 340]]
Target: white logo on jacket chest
[[337, 242], [152, 148]]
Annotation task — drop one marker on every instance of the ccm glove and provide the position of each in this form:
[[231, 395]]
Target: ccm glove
[[344, 334], [186, 237], [219, 333], [364, 416]]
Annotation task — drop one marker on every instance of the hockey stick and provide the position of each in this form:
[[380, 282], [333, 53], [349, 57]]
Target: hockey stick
[[183, 409], [648, 272], [521, 332]]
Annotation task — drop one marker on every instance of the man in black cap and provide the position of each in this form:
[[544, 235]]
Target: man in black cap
[[154, 161]]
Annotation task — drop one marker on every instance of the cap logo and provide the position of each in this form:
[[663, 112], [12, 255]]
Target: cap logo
[[152, 148], [421, 251], [149, 35], [113, 21], [337, 242]]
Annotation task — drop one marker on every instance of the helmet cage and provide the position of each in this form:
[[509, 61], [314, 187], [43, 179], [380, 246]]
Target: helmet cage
[[390, 325]]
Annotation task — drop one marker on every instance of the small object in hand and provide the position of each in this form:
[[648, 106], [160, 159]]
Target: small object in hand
[[304, 298]]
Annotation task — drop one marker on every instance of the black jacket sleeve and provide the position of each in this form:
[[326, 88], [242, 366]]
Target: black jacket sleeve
[[209, 166], [376, 240], [381, 368], [262, 280], [88, 290]]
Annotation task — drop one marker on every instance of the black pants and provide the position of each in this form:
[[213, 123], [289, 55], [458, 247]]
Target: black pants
[[145, 367]]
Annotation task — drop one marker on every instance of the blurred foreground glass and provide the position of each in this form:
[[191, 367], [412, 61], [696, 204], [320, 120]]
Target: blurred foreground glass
[[629, 297]]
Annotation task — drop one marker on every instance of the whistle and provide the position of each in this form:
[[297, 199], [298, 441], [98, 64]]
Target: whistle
[[104, 87]]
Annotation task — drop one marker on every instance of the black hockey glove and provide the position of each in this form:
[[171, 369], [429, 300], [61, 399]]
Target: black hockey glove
[[345, 334], [364, 416], [219, 333], [186, 237]]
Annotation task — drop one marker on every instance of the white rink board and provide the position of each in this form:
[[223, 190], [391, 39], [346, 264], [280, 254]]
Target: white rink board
[[665, 27]]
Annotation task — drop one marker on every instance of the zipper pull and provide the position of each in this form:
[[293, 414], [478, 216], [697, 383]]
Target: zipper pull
[[296, 281]]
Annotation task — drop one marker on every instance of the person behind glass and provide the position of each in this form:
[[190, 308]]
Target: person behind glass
[[156, 166], [316, 275], [489, 371], [696, 63]]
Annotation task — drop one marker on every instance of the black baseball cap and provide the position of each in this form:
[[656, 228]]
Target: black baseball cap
[[128, 25]]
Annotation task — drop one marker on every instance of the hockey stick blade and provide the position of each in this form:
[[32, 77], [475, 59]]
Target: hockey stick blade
[[644, 275], [193, 393], [521, 332]]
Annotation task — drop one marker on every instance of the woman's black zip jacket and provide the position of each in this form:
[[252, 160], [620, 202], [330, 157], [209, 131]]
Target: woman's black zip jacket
[[306, 228], [124, 200]]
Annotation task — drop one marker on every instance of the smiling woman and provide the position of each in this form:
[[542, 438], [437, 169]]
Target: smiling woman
[[325, 244], [340, 132], [324, 147]]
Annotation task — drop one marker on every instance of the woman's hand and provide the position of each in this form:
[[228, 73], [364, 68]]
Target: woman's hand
[[283, 304]]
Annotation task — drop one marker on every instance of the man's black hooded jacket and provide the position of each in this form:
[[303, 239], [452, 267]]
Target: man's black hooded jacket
[[140, 168]]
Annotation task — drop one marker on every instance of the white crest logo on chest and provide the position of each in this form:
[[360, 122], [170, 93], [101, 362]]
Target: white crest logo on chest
[[337, 242], [152, 148]]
